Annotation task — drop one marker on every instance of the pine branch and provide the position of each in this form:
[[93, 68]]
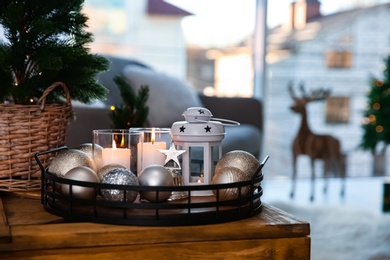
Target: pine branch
[[133, 112], [45, 42], [376, 126]]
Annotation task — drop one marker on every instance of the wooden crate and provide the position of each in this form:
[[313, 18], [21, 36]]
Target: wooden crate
[[27, 232]]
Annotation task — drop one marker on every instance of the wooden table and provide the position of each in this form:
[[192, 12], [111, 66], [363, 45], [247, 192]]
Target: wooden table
[[29, 232]]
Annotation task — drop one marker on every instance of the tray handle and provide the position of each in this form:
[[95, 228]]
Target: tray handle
[[36, 156], [257, 172]]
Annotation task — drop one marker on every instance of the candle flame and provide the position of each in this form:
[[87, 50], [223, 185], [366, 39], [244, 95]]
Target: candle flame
[[201, 176], [113, 144], [153, 137], [123, 141]]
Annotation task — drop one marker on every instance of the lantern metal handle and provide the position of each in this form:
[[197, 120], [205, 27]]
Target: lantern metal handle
[[260, 167], [228, 122]]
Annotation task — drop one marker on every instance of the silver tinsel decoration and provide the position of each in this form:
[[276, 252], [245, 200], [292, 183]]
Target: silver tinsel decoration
[[120, 176], [66, 160]]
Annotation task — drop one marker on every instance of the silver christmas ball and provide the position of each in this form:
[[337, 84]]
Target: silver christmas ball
[[107, 168], [95, 152], [155, 175], [119, 176], [242, 160], [66, 160], [80, 173], [230, 175]]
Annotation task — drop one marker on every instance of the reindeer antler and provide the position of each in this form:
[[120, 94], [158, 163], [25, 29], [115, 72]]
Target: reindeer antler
[[303, 90], [314, 95], [291, 90], [320, 94]]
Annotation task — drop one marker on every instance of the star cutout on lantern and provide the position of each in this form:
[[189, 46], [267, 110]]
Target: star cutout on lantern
[[172, 154], [182, 128], [201, 111], [207, 128]]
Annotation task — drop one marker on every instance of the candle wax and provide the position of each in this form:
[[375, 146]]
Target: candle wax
[[150, 155], [116, 155]]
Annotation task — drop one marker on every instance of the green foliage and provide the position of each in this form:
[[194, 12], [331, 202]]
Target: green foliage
[[134, 111], [376, 122], [45, 41]]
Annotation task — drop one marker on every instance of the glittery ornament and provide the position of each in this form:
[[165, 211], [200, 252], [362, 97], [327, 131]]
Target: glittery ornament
[[119, 176], [230, 175], [86, 148], [242, 160], [155, 175], [66, 160], [95, 155], [80, 173], [107, 168]]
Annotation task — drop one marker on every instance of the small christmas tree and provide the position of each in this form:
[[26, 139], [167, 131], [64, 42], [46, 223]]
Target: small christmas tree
[[45, 42], [376, 123], [134, 111]]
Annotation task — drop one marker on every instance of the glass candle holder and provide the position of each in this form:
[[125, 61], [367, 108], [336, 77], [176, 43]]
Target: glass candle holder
[[118, 146], [153, 140]]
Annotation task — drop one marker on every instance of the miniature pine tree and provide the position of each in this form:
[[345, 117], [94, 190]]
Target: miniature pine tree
[[45, 42], [376, 127], [134, 111]]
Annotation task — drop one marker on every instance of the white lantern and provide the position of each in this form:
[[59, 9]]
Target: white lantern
[[201, 138]]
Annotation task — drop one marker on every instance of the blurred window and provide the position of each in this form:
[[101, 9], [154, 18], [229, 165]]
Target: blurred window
[[338, 59]]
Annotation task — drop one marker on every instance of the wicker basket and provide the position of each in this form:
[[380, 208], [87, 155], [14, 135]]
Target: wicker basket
[[26, 130]]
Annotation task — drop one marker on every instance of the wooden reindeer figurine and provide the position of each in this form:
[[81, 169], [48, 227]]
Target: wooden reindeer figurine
[[317, 147]]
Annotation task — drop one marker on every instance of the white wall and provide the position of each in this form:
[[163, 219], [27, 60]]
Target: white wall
[[127, 30], [370, 44]]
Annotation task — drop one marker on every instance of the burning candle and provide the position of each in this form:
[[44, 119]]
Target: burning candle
[[116, 155], [150, 153], [201, 178]]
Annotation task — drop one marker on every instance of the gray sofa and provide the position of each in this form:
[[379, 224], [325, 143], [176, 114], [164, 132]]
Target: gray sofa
[[169, 98]]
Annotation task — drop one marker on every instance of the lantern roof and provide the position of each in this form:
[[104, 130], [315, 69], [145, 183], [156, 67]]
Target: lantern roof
[[198, 127]]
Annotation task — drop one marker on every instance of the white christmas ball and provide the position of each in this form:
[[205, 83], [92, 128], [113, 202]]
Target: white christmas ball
[[80, 173], [120, 176], [68, 159], [155, 175], [93, 151]]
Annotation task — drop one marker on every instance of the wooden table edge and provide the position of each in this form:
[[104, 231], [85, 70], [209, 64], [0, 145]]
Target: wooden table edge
[[46, 235]]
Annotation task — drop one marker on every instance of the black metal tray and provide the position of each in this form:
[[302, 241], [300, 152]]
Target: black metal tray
[[193, 210]]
